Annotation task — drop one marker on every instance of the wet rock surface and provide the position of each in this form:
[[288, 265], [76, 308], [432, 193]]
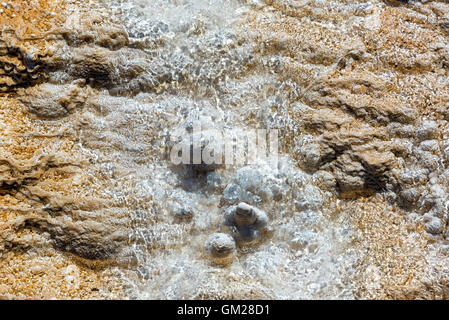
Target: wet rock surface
[[356, 203], [246, 222], [220, 245]]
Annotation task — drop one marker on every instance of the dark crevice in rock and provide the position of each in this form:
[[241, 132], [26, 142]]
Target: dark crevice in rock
[[19, 69], [10, 189], [75, 241]]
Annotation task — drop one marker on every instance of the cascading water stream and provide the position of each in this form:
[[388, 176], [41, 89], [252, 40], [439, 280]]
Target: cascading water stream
[[215, 75]]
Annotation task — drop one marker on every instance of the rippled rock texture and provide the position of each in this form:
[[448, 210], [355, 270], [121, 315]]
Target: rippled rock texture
[[92, 207]]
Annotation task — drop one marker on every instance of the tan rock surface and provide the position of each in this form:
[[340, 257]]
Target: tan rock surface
[[372, 75], [47, 201]]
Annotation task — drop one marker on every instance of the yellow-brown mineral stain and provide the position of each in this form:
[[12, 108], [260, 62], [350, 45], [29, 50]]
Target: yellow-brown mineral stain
[[29, 20], [29, 267]]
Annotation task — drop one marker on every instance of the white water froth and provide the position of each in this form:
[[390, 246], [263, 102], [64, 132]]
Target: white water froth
[[306, 255]]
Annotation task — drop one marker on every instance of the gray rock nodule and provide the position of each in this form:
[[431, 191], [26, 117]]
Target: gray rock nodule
[[219, 247], [246, 222]]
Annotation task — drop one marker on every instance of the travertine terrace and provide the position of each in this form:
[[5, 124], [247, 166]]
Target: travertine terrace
[[355, 207]]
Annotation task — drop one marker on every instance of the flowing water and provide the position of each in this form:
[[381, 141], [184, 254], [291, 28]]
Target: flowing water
[[203, 51]]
